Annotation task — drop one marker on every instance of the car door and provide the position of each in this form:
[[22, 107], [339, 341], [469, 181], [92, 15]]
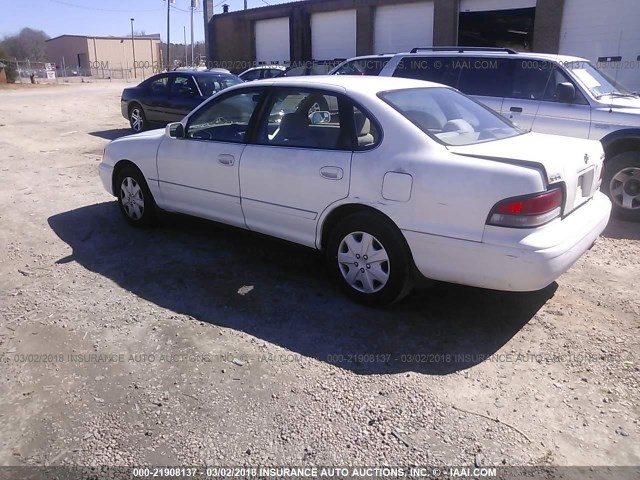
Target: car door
[[198, 174], [299, 164], [559, 117], [486, 79], [184, 96], [522, 101], [155, 98]]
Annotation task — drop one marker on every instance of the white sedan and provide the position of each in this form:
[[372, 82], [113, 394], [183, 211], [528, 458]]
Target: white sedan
[[391, 178]]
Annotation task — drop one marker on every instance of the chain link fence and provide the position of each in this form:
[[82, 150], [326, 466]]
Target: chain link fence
[[48, 72]]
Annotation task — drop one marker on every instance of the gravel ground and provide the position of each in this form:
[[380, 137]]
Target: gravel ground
[[194, 343]]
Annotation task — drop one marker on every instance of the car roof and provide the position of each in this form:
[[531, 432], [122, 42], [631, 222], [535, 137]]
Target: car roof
[[197, 73], [488, 53], [260, 67], [365, 84]]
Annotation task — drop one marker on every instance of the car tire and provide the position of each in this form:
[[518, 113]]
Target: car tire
[[370, 259], [134, 198], [137, 118], [621, 183]]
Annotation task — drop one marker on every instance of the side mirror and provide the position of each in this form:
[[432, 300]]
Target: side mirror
[[566, 92], [317, 118], [174, 130]]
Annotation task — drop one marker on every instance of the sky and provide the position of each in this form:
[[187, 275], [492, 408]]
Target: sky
[[112, 17]]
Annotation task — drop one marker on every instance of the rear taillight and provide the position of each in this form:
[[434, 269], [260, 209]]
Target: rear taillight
[[528, 211]]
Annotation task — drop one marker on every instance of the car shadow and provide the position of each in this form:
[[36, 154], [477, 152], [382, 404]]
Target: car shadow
[[198, 268], [621, 230], [113, 133]]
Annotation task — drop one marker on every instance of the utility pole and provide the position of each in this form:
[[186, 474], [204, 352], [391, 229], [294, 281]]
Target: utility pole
[[168, 34], [186, 49], [133, 45], [194, 5]]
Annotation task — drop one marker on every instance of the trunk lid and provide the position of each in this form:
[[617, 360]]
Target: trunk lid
[[574, 161]]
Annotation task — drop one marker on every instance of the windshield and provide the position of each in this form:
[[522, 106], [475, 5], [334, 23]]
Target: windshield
[[449, 116], [213, 84], [597, 82]]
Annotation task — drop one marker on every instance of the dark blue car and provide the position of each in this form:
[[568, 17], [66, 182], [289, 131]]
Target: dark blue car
[[169, 97]]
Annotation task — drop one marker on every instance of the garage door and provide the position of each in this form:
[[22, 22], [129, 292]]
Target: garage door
[[333, 35], [488, 5], [588, 32], [399, 28], [272, 40]]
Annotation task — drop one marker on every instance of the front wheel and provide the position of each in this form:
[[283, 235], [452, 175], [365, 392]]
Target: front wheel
[[621, 182], [369, 259], [134, 198]]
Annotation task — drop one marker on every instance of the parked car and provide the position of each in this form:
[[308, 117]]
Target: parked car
[[403, 176], [555, 94], [364, 65], [312, 67], [262, 71], [168, 97]]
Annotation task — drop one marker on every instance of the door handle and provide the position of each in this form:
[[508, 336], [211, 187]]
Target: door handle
[[516, 109], [226, 159], [331, 173]]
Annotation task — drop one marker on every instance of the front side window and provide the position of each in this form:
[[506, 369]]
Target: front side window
[[304, 119], [224, 120], [448, 116], [530, 79], [557, 77], [251, 75], [183, 85]]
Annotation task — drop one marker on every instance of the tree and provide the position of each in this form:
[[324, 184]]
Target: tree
[[9, 66], [28, 43]]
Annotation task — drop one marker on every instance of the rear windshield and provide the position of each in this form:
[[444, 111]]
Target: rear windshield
[[363, 66], [211, 84], [448, 116]]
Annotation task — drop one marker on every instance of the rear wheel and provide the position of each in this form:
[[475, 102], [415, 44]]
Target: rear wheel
[[137, 119], [134, 198], [369, 259], [621, 182]]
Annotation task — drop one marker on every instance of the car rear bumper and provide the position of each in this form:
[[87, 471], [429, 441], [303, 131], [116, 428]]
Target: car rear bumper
[[512, 259]]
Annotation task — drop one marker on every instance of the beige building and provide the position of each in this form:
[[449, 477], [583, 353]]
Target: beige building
[[106, 56]]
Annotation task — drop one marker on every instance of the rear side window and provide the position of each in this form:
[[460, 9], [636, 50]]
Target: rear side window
[[487, 77], [159, 85], [432, 69], [304, 119]]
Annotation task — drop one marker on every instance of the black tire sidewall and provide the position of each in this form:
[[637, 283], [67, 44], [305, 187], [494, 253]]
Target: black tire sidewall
[[612, 168], [148, 215], [397, 250]]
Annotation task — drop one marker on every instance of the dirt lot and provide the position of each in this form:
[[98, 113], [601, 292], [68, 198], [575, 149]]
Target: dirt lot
[[194, 343]]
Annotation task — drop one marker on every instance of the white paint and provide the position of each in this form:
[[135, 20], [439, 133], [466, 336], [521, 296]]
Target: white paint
[[592, 29], [488, 5], [399, 28], [272, 40], [333, 35]]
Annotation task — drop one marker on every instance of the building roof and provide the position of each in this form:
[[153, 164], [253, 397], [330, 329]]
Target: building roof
[[154, 36]]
